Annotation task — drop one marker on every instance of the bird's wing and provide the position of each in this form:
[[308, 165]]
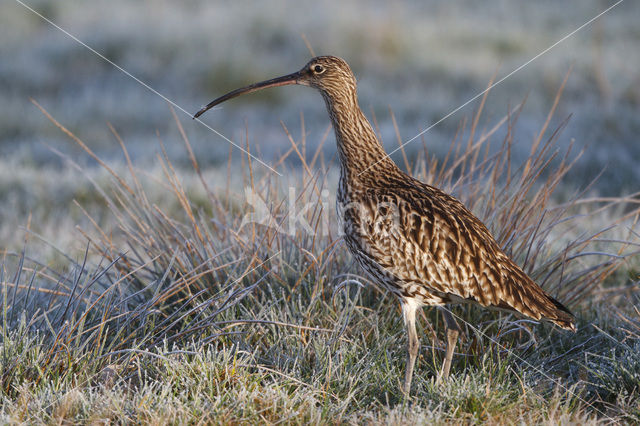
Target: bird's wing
[[425, 237]]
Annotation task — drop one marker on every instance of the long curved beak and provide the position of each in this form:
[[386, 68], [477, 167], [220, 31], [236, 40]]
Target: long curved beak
[[285, 80]]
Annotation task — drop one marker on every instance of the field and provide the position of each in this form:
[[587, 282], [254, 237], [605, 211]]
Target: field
[[153, 273]]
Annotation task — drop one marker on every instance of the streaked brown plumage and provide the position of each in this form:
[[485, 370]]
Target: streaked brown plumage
[[417, 242]]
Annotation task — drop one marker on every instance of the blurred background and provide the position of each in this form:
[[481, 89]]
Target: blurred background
[[418, 59]]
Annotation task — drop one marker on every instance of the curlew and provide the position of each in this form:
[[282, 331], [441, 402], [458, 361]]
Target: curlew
[[414, 240]]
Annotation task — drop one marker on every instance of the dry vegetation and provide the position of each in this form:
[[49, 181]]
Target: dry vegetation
[[179, 312]]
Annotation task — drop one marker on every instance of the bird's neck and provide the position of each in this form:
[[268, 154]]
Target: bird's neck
[[360, 151]]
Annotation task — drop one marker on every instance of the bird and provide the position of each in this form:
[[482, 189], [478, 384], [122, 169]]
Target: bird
[[414, 240]]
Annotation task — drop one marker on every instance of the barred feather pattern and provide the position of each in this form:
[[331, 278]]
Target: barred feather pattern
[[413, 239]]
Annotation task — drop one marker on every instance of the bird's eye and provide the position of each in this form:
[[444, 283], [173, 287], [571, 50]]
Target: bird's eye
[[318, 69]]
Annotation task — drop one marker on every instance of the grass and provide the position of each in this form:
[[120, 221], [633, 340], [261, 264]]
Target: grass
[[180, 312]]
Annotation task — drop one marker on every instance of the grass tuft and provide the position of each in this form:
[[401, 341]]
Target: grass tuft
[[236, 301]]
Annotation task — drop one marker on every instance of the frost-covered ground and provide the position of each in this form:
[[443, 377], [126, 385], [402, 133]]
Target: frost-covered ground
[[182, 314]]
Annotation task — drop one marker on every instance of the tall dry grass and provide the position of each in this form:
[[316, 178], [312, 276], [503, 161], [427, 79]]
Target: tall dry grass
[[189, 274]]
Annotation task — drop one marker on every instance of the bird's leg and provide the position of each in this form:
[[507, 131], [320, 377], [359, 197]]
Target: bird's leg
[[409, 314], [453, 330]]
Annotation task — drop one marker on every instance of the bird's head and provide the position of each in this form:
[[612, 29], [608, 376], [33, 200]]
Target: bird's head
[[329, 74]]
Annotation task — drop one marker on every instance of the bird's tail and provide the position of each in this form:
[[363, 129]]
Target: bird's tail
[[530, 299], [561, 316]]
